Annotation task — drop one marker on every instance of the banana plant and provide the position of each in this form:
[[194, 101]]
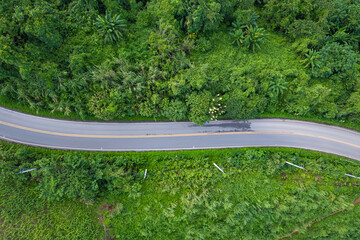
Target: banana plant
[[254, 37], [238, 34], [312, 59], [277, 86], [110, 27]]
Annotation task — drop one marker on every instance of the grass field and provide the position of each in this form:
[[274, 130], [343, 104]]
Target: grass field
[[184, 196], [25, 216]]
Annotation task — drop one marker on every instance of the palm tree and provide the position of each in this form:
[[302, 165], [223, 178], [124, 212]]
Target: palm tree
[[277, 86], [110, 27]]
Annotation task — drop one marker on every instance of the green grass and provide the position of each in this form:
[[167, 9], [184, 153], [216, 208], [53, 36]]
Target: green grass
[[25, 216], [185, 197], [242, 205], [344, 224], [38, 152]]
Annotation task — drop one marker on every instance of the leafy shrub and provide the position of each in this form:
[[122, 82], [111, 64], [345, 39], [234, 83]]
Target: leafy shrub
[[245, 17], [174, 110], [312, 59], [203, 45], [70, 177], [305, 29], [336, 60], [199, 105], [244, 102], [238, 34], [107, 104]]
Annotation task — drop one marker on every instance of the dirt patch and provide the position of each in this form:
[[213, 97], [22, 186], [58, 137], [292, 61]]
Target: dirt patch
[[284, 177], [4, 225], [357, 200], [101, 219], [346, 184], [108, 207], [319, 178]]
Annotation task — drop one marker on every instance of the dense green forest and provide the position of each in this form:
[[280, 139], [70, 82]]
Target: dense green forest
[[77, 195], [182, 59]]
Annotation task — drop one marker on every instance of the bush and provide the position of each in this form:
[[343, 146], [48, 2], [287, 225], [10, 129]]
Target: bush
[[199, 105], [336, 61], [174, 110]]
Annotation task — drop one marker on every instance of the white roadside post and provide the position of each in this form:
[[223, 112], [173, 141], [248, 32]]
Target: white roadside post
[[29, 170], [295, 165], [145, 173], [218, 168], [349, 175]]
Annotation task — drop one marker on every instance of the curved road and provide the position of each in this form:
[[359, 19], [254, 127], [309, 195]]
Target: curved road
[[145, 136]]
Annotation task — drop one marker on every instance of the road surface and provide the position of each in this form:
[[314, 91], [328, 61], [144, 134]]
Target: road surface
[[147, 136]]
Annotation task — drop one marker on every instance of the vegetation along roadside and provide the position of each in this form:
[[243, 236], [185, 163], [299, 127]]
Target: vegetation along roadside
[[182, 195], [189, 59]]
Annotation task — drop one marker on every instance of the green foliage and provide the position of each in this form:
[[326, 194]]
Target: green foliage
[[43, 23], [336, 60], [110, 27], [163, 41], [277, 86], [107, 105], [203, 45], [192, 199], [312, 59], [340, 226], [353, 104], [199, 105], [317, 99], [282, 14], [149, 108], [254, 37], [238, 34], [183, 195], [305, 29], [244, 102], [69, 176], [25, 216], [53, 61], [246, 17], [174, 110], [199, 15]]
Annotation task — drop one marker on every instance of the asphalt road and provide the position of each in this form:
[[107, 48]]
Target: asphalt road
[[146, 136]]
